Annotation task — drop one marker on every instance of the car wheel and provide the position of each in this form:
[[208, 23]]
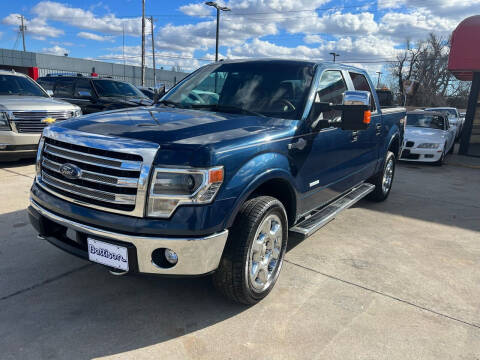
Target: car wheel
[[442, 158], [254, 253], [383, 180]]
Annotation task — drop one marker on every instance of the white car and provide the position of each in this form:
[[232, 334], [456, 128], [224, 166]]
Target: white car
[[428, 137], [453, 118]]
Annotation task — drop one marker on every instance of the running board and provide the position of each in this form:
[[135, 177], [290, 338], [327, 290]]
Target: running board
[[324, 215]]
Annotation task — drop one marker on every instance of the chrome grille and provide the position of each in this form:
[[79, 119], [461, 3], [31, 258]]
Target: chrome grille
[[31, 121], [107, 178]]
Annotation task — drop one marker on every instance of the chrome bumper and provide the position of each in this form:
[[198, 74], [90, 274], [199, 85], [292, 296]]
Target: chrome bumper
[[196, 256]]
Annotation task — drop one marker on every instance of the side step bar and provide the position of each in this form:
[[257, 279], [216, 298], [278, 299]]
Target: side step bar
[[324, 215]]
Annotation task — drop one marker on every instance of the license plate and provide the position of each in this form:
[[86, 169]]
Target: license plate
[[108, 254]]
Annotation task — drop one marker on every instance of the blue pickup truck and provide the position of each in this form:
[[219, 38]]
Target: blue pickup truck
[[234, 160]]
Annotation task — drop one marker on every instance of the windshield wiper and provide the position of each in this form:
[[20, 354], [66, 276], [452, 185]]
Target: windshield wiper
[[227, 109], [170, 103]]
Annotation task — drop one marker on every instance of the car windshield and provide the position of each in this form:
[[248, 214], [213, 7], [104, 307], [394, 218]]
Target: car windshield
[[111, 88], [273, 88], [426, 121], [19, 85], [451, 112]]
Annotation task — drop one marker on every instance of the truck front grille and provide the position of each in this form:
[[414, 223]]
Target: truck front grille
[[105, 178], [31, 121]]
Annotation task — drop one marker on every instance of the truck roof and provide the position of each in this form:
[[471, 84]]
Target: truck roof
[[295, 61]]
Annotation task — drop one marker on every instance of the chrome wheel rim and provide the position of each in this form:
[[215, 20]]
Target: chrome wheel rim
[[387, 176], [264, 254]]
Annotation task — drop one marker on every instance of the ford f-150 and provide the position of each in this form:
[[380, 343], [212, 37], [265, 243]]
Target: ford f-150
[[232, 161]]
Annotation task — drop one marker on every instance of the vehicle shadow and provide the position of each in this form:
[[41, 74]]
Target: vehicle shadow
[[74, 309], [17, 163], [446, 195]]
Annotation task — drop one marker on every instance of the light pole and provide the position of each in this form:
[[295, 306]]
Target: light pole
[[378, 79], [219, 8], [334, 55]]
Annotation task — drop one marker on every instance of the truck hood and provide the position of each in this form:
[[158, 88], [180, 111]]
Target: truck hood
[[22, 103], [425, 134], [179, 126]]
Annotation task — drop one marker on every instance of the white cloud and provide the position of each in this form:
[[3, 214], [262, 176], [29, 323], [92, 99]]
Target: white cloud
[[85, 19], [55, 50], [96, 37], [37, 26], [196, 10]]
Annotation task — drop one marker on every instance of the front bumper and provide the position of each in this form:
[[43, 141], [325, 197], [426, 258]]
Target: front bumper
[[196, 255], [423, 155], [14, 145]]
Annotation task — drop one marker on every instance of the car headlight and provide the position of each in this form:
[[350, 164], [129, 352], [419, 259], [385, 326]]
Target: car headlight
[[4, 122], [171, 188], [77, 112], [429, 146]]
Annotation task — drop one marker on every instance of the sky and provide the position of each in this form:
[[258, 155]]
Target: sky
[[365, 33]]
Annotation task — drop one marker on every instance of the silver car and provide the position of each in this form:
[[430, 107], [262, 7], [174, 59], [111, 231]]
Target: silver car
[[25, 110]]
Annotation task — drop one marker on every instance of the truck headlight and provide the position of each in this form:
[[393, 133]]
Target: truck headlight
[[77, 112], [4, 123], [171, 188], [429, 146]]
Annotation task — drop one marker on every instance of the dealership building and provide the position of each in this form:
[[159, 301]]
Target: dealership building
[[36, 65]]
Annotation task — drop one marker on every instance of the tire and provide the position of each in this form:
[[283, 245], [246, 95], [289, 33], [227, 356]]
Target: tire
[[381, 192], [250, 248], [442, 158]]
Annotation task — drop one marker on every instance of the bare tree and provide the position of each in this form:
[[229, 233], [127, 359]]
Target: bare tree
[[424, 67]]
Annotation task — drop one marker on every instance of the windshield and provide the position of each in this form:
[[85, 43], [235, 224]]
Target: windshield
[[273, 88], [452, 112], [426, 121], [19, 85], [111, 88]]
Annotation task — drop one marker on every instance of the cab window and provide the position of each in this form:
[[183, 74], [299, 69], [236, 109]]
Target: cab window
[[360, 83], [331, 87], [63, 88], [83, 89]]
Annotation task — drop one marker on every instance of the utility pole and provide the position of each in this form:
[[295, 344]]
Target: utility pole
[[219, 8], [123, 50], [22, 29], [334, 55], [378, 79], [153, 55], [143, 42]]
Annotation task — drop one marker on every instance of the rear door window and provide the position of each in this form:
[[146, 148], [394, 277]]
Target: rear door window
[[360, 83], [63, 88]]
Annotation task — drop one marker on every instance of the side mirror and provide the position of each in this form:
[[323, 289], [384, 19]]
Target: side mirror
[[355, 110], [50, 93], [84, 93]]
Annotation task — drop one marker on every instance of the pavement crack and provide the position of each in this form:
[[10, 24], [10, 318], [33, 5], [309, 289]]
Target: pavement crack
[[19, 174], [45, 282], [385, 295]]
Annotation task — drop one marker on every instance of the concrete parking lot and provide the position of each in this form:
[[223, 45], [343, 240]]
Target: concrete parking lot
[[395, 280]]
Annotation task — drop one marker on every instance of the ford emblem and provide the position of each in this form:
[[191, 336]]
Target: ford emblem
[[70, 171]]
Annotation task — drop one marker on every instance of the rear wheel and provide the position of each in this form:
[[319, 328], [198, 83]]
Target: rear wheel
[[383, 180], [254, 254]]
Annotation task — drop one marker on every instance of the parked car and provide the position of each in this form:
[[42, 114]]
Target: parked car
[[94, 94], [453, 118], [217, 184], [152, 93], [25, 110], [428, 137]]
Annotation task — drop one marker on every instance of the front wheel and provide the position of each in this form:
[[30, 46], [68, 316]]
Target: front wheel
[[383, 180], [253, 257]]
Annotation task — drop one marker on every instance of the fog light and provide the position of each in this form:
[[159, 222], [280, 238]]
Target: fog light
[[171, 256]]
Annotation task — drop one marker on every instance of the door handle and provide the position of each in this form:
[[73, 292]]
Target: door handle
[[354, 135], [299, 144]]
